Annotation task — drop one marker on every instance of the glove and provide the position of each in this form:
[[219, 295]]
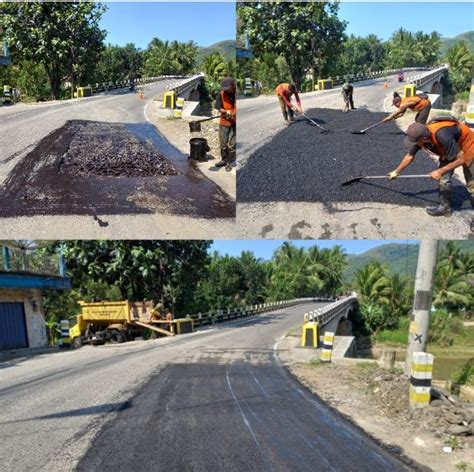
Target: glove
[[229, 115], [392, 175]]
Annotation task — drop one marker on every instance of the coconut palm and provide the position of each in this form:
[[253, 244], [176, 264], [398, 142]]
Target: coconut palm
[[459, 58], [451, 289], [371, 283]]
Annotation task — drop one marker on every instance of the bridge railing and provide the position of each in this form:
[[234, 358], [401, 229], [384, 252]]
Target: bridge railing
[[326, 313], [360, 76], [119, 84], [183, 85], [420, 80], [218, 316]]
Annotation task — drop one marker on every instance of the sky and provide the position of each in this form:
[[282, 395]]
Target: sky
[[383, 18], [264, 248], [139, 23]]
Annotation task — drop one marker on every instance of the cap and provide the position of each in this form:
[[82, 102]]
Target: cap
[[415, 132], [227, 84]]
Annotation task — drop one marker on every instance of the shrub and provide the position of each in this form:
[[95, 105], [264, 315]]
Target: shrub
[[444, 327], [465, 374]]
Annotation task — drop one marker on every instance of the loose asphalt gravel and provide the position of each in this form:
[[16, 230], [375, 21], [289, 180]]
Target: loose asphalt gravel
[[301, 164]]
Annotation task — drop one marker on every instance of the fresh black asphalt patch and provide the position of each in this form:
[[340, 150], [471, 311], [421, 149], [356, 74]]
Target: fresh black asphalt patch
[[300, 164], [64, 175]]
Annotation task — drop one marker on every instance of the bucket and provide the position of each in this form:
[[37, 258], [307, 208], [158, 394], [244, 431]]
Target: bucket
[[198, 149]]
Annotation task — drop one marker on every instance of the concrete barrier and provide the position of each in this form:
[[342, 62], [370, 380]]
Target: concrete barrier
[[328, 342], [309, 335]]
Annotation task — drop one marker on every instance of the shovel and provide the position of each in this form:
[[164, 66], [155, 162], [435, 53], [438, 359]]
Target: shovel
[[364, 177], [362, 131], [323, 130], [195, 126]]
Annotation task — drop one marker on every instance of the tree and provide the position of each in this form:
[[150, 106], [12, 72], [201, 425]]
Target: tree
[[461, 63], [64, 37], [307, 34]]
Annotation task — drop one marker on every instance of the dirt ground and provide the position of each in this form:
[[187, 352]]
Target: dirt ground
[[377, 400]]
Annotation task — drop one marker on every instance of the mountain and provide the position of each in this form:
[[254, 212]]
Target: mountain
[[401, 258], [446, 43], [226, 48]]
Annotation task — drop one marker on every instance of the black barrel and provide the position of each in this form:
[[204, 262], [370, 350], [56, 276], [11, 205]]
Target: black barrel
[[198, 149]]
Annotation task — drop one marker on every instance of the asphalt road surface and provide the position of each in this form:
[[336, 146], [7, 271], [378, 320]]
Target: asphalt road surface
[[34, 137], [213, 400], [289, 178], [302, 164]]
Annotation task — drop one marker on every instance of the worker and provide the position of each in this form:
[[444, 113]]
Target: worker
[[419, 103], [452, 142], [227, 107], [284, 93], [347, 94]]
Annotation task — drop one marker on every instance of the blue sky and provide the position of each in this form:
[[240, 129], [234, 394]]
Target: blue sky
[[139, 23], [383, 18], [264, 248]]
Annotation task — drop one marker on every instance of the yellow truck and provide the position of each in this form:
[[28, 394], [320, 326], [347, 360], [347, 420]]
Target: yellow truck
[[117, 322]]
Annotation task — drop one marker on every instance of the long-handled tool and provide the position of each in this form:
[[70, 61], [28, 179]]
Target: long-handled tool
[[362, 131], [323, 130], [195, 126], [364, 177]]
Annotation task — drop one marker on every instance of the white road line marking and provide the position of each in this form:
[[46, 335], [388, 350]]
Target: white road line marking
[[144, 110]]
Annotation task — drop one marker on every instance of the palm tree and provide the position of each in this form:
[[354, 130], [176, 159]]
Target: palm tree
[[371, 283], [459, 58], [451, 289]]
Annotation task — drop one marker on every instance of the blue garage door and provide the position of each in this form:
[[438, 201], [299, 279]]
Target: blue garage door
[[12, 326]]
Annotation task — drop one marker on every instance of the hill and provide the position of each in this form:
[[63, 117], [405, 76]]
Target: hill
[[401, 258], [446, 43], [226, 48]]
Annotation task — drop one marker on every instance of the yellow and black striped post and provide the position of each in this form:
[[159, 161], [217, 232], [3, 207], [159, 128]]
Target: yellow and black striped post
[[328, 341], [309, 336], [64, 340], [178, 113], [420, 379]]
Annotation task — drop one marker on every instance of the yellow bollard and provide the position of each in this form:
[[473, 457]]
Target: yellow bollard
[[179, 108], [328, 341], [309, 336], [420, 380]]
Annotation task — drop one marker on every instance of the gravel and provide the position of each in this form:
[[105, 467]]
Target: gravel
[[106, 149], [301, 164]]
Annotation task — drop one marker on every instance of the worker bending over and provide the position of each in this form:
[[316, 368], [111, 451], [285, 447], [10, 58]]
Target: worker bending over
[[452, 142], [419, 103], [284, 93], [347, 95], [227, 107]]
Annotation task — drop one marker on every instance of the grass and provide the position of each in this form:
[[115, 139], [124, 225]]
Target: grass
[[315, 363], [366, 366], [461, 465], [398, 337]]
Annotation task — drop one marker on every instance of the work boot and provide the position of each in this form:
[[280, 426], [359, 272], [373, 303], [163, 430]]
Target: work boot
[[221, 164], [228, 167], [444, 207]]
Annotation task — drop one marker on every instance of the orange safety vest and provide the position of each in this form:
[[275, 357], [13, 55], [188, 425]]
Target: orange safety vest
[[283, 89], [416, 103], [466, 141], [227, 105]]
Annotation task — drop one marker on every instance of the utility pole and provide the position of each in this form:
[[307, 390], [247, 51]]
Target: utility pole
[[424, 284]]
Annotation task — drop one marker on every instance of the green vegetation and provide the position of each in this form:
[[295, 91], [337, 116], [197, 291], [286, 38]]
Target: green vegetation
[[291, 40], [465, 374], [56, 47], [385, 298]]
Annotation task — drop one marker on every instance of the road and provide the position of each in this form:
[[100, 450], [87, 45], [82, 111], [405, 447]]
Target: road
[[212, 400], [289, 180], [33, 139]]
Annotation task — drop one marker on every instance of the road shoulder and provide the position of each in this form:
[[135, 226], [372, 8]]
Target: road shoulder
[[377, 401]]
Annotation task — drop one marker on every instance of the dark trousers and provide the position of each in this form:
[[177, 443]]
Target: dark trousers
[[445, 183], [348, 98], [227, 135], [422, 115], [286, 111]]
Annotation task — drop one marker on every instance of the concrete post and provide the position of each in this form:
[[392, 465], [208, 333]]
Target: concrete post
[[387, 359], [420, 316], [6, 259]]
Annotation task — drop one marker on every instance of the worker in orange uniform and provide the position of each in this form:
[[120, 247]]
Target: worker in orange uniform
[[452, 142], [227, 107], [284, 93], [419, 103]]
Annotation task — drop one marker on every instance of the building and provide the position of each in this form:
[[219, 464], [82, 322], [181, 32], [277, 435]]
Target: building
[[24, 274], [4, 56]]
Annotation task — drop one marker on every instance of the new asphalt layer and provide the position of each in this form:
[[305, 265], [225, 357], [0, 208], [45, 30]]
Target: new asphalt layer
[[301, 164]]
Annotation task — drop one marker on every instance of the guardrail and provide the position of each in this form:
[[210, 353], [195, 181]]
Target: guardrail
[[180, 87], [218, 316], [419, 80], [326, 313], [338, 80], [119, 84]]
